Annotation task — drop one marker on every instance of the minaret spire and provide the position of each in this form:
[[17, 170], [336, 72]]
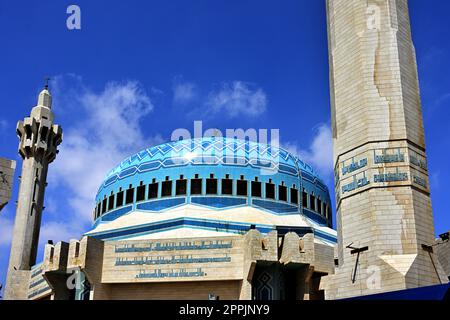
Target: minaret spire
[[39, 139], [45, 98], [47, 79]]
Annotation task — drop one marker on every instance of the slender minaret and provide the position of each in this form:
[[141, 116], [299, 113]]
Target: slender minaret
[[384, 216], [39, 139]]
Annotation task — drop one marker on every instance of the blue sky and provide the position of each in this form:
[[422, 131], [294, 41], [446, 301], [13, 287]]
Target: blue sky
[[137, 70]]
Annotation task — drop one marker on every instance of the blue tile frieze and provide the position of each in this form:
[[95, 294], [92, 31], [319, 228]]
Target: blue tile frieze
[[390, 177], [354, 166], [176, 246], [173, 273], [160, 260]]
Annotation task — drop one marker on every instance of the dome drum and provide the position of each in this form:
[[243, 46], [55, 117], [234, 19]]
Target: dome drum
[[214, 173]]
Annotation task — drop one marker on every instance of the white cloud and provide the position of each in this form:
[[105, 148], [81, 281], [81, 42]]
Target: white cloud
[[319, 153], [3, 125], [59, 231], [106, 131], [184, 92], [435, 180], [442, 98], [237, 98], [6, 228]]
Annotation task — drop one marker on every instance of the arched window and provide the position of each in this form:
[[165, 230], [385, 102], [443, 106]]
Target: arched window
[[319, 205], [153, 190], [111, 202], [227, 185], [98, 209], [129, 196], [304, 198], [166, 188], [256, 188], [104, 205], [294, 195], [312, 202], [196, 185], [242, 187], [211, 185], [140, 192], [270, 190], [181, 186], [119, 198], [282, 192]]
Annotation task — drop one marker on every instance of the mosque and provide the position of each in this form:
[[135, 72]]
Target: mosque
[[199, 218], [225, 218]]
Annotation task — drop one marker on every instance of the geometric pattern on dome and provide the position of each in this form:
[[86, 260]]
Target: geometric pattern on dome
[[211, 151]]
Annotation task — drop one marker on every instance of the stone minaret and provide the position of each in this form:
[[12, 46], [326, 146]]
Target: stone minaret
[[382, 185], [39, 139]]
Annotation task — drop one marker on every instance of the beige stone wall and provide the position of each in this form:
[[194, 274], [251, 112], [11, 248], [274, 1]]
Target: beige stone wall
[[382, 185], [7, 168], [230, 280], [374, 84], [226, 290], [443, 253], [38, 286], [166, 263]]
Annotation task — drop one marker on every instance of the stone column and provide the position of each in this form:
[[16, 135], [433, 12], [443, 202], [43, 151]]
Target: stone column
[[382, 186], [39, 139]]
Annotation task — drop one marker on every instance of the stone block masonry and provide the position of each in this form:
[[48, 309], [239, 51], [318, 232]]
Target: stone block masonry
[[381, 176]]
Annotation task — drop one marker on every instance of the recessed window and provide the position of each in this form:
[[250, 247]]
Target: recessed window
[[241, 187], [282, 193], [181, 187], [319, 206], [119, 199], [104, 206], [98, 209], [166, 188], [196, 186], [294, 196], [153, 190], [227, 186], [44, 133], [256, 189], [129, 197], [211, 186], [270, 191], [28, 131], [312, 202], [140, 193], [111, 202], [304, 199]]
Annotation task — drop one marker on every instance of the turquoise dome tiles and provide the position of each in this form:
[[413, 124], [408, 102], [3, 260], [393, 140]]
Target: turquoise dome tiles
[[217, 173], [211, 151]]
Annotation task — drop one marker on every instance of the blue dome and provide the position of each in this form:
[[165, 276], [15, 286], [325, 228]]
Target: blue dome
[[217, 173]]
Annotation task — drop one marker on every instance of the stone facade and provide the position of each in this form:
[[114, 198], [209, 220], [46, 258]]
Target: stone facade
[[443, 253], [381, 175], [250, 266], [39, 139], [7, 168]]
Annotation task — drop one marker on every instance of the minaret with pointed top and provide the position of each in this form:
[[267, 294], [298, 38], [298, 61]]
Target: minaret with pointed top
[[39, 139]]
